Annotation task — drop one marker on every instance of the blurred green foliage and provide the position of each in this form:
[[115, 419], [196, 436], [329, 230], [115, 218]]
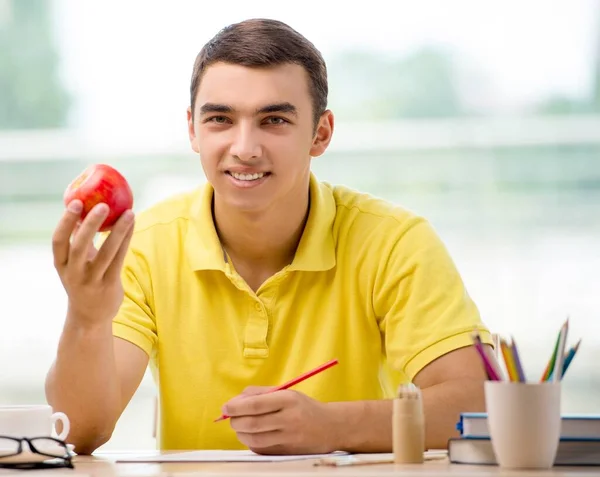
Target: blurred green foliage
[[31, 93]]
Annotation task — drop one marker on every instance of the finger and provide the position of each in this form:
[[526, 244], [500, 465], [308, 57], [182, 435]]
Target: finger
[[255, 405], [257, 424], [267, 441], [255, 390], [251, 391], [277, 449], [61, 239], [91, 251], [113, 244], [114, 270], [76, 229], [85, 235]]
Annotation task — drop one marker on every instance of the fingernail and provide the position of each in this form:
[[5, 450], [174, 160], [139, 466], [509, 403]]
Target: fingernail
[[75, 206], [100, 209], [128, 216]]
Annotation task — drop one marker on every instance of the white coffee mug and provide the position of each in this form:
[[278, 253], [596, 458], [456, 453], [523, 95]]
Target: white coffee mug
[[32, 420], [524, 421]]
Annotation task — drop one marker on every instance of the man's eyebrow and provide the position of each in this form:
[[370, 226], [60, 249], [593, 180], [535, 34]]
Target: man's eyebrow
[[284, 107], [215, 108], [278, 108]]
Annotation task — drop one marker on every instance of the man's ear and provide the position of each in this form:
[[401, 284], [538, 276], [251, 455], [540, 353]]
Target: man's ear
[[191, 131], [323, 134]]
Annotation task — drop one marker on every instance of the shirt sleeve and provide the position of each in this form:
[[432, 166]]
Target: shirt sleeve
[[421, 301], [135, 321]]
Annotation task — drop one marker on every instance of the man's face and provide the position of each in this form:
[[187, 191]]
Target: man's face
[[253, 129]]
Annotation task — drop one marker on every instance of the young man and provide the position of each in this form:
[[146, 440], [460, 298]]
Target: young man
[[260, 276]]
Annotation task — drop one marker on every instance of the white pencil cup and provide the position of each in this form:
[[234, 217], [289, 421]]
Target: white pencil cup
[[524, 423]]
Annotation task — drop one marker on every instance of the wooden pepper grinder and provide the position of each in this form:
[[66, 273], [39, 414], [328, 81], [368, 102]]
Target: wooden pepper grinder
[[408, 426]]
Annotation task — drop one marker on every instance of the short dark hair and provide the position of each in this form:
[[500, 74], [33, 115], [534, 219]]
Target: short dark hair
[[262, 43]]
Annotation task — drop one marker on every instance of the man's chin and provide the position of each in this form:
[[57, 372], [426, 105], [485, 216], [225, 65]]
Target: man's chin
[[235, 203]]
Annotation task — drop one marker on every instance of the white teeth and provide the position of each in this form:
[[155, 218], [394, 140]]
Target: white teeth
[[247, 177]]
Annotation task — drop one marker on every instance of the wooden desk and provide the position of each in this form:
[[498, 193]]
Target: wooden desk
[[98, 467]]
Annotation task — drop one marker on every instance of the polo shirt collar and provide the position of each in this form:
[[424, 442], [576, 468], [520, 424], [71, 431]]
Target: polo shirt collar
[[202, 243], [316, 250]]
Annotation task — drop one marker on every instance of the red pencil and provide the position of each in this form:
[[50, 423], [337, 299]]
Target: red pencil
[[295, 381]]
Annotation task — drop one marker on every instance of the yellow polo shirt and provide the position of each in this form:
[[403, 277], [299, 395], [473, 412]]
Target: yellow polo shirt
[[371, 284]]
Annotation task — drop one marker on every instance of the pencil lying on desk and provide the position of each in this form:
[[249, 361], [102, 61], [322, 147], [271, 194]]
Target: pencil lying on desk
[[293, 382]]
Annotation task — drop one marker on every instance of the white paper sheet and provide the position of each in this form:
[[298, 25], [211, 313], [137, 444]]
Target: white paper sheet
[[205, 456], [365, 459]]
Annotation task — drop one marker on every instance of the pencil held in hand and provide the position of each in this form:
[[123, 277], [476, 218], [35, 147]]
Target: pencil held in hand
[[295, 381]]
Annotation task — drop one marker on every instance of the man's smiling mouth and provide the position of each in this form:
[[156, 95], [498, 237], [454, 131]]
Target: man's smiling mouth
[[247, 177]]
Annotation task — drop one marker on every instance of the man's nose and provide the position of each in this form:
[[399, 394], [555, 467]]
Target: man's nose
[[246, 143]]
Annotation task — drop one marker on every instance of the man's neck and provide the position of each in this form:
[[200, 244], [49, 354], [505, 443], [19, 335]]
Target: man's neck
[[262, 243]]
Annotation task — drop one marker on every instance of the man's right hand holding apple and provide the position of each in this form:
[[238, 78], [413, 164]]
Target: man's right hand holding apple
[[94, 374], [91, 277]]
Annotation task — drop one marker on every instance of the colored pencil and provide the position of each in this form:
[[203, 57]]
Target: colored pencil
[[295, 381], [550, 365], [517, 360], [569, 357], [508, 361], [560, 354], [493, 374]]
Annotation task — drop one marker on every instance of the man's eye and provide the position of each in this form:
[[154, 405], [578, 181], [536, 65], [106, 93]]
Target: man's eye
[[275, 120], [217, 119]]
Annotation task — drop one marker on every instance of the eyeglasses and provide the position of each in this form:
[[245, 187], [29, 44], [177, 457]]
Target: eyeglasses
[[55, 449]]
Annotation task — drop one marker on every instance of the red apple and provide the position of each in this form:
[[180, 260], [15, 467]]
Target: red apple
[[101, 183]]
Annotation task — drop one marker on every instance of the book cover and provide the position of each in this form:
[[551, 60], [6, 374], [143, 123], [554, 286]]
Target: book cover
[[479, 451], [474, 424]]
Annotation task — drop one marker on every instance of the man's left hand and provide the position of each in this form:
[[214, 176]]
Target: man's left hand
[[281, 422]]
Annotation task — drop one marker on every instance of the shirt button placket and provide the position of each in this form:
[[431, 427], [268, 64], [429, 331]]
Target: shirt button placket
[[255, 340]]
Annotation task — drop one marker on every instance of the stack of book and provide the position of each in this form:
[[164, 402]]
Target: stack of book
[[579, 442]]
